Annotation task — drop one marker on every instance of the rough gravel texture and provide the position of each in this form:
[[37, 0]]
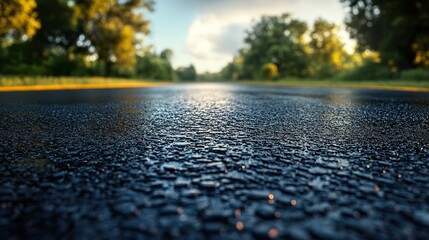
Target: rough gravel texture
[[214, 161]]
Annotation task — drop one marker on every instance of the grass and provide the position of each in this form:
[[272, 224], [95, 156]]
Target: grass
[[411, 85], [60, 83]]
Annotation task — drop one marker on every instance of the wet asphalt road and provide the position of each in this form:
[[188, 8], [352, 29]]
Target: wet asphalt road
[[214, 161]]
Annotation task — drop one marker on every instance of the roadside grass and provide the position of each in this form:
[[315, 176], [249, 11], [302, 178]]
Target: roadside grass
[[15, 83], [32, 81], [410, 85]]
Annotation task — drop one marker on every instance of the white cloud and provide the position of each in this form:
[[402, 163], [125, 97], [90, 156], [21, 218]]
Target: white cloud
[[217, 32]]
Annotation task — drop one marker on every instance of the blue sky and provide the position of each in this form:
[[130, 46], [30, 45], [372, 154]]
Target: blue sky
[[208, 33]]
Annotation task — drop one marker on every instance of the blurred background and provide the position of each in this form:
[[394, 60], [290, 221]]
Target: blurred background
[[225, 40]]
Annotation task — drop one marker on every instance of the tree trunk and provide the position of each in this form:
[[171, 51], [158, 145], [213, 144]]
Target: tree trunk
[[408, 61], [108, 68]]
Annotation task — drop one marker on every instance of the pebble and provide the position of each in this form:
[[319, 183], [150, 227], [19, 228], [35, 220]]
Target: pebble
[[318, 170], [209, 184], [258, 195], [222, 215], [421, 218], [266, 212], [125, 208]]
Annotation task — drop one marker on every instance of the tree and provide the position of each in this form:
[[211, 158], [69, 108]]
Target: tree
[[18, 18], [155, 67], [187, 73], [166, 54], [210, 76], [398, 29], [234, 69], [61, 43], [326, 49], [278, 40], [45, 52], [112, 27], [270, 71], [70, 31], [106, 28], [59, 32]]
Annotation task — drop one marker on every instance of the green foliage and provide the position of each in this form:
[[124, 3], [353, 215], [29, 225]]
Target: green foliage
[[73, 30], [104, 37], [208, 76], [58, 30], [269, 71], [419, 74], [155, 67], [322, 70], [276, 48], [187, 73], [368, 71], [27, 69], [233, 70], [166, 54], [18, 18], [399, 30], [327, 52], [112, 26], [278, 40]]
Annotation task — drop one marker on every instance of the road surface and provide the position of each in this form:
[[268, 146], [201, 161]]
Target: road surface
[[214, 161]]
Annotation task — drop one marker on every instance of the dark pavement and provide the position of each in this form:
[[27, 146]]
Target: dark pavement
[[214, 161]]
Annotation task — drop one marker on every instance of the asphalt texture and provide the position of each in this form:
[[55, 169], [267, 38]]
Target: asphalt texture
[[214, 161]]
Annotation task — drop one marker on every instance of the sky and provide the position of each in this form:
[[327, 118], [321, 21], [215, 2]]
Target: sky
[[208, 33]]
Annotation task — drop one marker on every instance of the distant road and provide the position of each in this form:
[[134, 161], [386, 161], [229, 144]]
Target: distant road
[[194, 161]]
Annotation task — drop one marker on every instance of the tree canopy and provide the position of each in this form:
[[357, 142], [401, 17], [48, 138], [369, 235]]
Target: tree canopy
[[106, 30], [113, 29], [326, 49], [18, 18], [397, 29], [281, 46], [187, 73], [151, 65], [278, 40]]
